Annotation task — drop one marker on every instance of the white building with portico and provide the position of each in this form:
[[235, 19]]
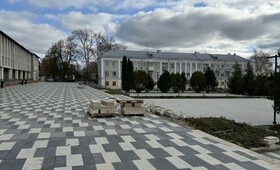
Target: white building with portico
[[155, 63]]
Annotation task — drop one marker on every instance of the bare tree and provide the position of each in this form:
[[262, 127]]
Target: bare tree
[[91, 46], [262, 64], [105, 44], [63, 52], [86, 45]]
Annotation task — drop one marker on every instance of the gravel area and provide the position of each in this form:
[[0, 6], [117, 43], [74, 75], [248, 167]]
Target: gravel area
[[251, 111]]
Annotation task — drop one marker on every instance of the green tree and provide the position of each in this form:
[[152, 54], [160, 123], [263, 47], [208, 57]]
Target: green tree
[[130, 79], [210, 80], [249, 80], [236, 81], [124, 73], [183, 82], [164, 82], [140, 80], [127, 74], [262, 85], [150, 83], [197, 81], [176, 82], [49, 67]]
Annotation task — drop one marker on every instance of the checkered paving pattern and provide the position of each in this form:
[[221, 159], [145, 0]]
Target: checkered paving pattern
[[45, 126], [273, 155]]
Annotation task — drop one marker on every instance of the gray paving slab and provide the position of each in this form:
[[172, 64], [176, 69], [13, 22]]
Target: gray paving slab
[[45, 126]]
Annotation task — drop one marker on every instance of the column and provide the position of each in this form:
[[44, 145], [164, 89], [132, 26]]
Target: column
[[119, 69], [20, 75], [10, 76], [190, 69], [16, 74], [119, 85], [102, 73], [1, 73], [160, 68], [180, 67]]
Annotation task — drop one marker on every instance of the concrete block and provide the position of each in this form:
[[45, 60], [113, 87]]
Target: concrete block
[[101, 112], [103, 107], [94, 103], [270, 141], [126, 104], [109, 102], [137, 104]]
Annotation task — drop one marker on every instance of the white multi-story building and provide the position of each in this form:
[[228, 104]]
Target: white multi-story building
[[155, 63], [16, 62]]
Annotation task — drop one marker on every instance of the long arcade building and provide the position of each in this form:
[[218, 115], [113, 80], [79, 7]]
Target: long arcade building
[[155, 63], [16, 62]]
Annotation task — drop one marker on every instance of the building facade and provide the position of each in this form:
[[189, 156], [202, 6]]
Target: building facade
[[16, 62], [155, 63]]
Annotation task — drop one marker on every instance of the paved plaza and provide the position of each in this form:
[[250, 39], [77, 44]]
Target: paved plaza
[[45, 126]]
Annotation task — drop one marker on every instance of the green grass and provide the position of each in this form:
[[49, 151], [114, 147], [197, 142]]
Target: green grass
[[275, 128], [239, 133], [114, 91]]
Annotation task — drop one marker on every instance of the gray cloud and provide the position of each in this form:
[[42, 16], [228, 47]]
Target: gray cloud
[[35, 37], [194, 28]]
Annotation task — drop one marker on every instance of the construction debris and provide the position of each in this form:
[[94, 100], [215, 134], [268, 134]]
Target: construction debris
[[132, 107], [103, 108]]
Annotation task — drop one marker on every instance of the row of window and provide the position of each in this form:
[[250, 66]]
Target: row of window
[[195, 66], [114, 83], [113, 74], [113, 63], [8, 62]]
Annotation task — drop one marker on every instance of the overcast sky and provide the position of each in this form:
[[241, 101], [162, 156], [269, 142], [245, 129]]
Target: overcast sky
[[212, 26]]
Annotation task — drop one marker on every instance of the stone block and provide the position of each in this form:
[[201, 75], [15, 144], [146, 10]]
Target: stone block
[[126, 104], [137, 104], [94, 103], [270, 141], [109, 102]]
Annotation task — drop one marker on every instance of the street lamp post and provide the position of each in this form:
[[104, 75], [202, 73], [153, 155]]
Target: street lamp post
[[275, 71]]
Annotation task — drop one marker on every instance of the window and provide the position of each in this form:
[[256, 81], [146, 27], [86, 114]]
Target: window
[[114, 73], [114, 83], [172, 65], [193, 66], [107, 73], [164, 66], [107, 83], [188, 74], [113, 64], [177, 65], [107, 63]]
